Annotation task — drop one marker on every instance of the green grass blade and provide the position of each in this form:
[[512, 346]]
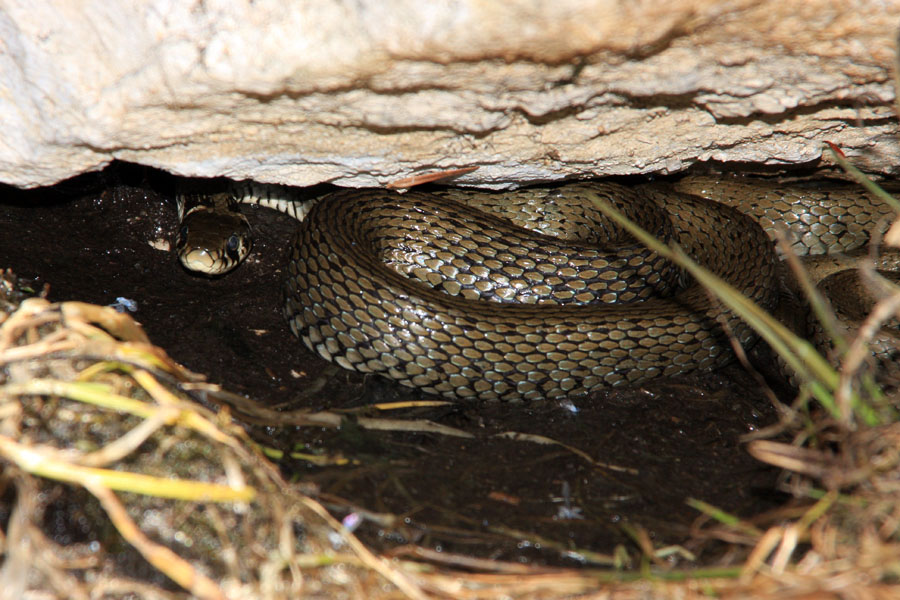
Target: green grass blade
[[862, 178], [800, 355]]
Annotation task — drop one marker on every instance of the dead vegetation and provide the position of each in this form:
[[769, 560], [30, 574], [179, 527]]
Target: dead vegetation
[[119, 483]]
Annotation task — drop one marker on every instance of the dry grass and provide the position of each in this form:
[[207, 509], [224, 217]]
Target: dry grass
[[839, 539], [97, 433], [122, 486]]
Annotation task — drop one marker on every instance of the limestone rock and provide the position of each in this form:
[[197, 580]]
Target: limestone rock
[[367, 92]]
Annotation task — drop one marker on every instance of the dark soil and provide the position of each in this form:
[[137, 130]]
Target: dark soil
[[104, 236]]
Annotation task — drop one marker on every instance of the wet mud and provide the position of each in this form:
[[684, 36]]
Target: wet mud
[[623, 458]]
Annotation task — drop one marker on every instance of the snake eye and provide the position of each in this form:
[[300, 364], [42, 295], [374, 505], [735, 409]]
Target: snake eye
[[232, 245], [181, 238]]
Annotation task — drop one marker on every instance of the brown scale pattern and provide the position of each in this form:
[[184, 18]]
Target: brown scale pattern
[[371, 270], [822, 221]]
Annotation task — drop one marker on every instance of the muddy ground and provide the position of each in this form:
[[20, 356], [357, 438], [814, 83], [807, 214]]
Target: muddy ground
[[646, 450]]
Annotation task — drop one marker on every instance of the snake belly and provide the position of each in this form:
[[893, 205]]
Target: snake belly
[[347, 304]]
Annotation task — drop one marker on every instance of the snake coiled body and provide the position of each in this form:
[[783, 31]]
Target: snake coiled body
[[348, 306], [435, 294]]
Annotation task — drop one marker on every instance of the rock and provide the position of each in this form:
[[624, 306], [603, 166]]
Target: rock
[[368, 92]]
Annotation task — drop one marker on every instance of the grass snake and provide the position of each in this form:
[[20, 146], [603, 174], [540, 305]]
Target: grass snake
[[527, 294]]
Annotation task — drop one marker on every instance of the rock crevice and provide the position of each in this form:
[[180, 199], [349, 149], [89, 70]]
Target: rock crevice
[[377, 90]]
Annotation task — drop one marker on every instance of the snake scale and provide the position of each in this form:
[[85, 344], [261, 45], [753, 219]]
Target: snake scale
[[528, 294]]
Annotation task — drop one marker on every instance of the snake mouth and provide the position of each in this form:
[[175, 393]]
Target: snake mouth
[[212, 244], [203, 261]]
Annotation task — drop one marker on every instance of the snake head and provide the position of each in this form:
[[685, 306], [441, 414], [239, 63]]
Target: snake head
[[211, 241]]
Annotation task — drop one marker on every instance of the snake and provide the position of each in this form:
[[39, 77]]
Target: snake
[[529, 294]]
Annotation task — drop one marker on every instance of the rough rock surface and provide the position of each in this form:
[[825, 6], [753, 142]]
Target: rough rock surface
[[366, 92]]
